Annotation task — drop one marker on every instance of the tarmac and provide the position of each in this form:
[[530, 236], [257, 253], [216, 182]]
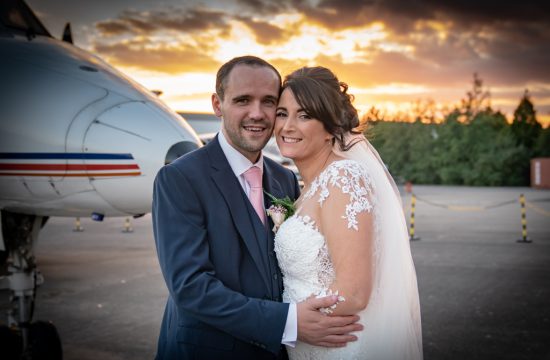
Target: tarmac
[[483, 294]]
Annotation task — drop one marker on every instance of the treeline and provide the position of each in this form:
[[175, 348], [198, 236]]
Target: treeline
[[472, 145]]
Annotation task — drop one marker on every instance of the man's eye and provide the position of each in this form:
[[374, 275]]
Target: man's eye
[[242, 101]]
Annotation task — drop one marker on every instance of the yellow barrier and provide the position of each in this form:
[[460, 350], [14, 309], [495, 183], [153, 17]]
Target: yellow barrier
[[411, 229], [524, 238], [77, 226], [127, 226], [522, 201]]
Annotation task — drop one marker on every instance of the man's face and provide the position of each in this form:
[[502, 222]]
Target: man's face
[[248, 108]]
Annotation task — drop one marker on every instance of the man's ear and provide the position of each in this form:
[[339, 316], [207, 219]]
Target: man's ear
[[216, 105]]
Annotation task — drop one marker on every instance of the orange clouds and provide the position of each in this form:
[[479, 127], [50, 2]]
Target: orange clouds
[[159, 57], [431, 45]]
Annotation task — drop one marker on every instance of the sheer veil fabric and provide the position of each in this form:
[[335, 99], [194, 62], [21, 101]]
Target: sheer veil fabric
[[392, 317]]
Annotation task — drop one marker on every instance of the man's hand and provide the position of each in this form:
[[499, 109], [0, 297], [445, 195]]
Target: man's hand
[[318, 329]]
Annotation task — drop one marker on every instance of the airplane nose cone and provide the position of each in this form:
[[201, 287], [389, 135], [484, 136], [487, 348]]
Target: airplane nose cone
[[148, 138]]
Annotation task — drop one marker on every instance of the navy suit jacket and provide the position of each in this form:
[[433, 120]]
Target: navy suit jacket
[[217, 259]]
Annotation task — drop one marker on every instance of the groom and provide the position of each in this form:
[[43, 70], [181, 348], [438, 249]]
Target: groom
[[214, 241]]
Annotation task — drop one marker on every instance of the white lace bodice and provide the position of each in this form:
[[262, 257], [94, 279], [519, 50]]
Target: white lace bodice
[[301, 248]]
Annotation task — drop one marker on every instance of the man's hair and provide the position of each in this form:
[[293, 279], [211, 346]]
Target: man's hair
[[248, 60]]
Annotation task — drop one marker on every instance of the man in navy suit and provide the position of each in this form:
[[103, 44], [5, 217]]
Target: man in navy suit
[[216, 251]]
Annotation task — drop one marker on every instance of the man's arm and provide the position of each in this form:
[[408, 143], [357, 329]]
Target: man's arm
[[183, 250]]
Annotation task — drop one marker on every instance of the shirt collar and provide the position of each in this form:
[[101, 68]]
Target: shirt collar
[[238, 162]]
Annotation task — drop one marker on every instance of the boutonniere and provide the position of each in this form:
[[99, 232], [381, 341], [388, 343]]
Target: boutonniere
[[280, 210]]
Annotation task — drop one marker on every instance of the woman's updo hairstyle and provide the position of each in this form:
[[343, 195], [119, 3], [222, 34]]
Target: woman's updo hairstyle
[[320, 94]]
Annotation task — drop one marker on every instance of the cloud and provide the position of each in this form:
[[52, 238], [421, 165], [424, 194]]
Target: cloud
[[131, 22], [441, 43], [143, 54], [400, 15], [462, 35], [266, 7], [266, 33]]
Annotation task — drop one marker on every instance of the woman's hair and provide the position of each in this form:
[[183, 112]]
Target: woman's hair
[[323, 97]]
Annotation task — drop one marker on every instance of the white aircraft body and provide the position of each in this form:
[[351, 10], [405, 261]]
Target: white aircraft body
[[77, 138]]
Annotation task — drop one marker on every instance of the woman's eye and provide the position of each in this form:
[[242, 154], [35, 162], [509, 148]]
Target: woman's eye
[[280, 114]]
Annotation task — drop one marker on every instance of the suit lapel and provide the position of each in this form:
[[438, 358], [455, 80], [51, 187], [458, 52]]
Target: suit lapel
[[231, 191]]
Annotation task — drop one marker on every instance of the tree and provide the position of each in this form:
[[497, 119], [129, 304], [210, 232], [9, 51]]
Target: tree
[[478, 99], [525, 126], [542, 145]]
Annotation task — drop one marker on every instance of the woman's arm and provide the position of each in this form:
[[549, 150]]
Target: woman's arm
[[347, 222]]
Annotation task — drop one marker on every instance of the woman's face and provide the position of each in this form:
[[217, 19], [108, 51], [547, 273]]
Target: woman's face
[[298, 135]]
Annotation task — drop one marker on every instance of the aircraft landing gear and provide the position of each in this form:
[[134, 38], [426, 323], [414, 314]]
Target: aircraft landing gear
[[39, 340]]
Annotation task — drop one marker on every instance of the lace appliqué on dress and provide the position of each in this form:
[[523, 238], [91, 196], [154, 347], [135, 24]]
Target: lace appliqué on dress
[[352, 179]]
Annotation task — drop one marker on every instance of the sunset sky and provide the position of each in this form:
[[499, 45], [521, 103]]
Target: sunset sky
[[392, 53]]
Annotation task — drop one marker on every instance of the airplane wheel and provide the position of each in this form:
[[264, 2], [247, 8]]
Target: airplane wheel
[[44, 342], [12, 343]]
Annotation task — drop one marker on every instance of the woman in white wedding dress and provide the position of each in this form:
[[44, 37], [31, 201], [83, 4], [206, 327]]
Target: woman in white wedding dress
[[349, 233]]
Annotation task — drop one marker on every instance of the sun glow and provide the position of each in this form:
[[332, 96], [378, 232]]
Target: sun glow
[[301, 42], [392, 89]]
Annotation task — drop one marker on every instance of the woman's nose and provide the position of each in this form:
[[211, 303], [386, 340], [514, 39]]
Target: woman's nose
[[288, 124]]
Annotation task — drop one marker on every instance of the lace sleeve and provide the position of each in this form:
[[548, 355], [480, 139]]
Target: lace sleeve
[[346, 198], [349, 182]]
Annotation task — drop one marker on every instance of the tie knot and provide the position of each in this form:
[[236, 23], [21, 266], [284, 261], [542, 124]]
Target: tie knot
[[253, 177]]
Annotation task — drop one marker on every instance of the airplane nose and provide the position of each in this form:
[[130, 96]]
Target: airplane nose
[[147, 139]]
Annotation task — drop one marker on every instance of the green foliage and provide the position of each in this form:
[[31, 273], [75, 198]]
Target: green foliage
[[525, 126], [482, 151], [473, 145], [542, 144]]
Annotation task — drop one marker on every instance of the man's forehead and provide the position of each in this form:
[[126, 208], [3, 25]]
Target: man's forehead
[[243, 75]]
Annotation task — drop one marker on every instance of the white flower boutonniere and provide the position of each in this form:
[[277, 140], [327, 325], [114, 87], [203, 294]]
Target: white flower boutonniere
[[280, 210]]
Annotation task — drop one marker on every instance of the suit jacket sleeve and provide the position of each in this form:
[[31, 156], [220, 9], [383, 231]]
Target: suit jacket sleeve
[[182, 245]]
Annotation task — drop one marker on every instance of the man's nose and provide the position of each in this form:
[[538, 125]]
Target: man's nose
[[256, 112]]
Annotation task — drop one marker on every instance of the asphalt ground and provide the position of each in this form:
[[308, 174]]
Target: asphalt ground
[[483, 295]]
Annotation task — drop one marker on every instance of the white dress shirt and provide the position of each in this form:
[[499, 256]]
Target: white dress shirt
[[239, 164]]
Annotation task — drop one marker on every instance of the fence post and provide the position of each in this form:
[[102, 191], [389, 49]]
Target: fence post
[[412, 229], [524, 238], [77, 226], [127, 226]]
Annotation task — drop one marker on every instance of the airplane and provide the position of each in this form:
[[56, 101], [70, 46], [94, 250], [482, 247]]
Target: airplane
[[77, 138]]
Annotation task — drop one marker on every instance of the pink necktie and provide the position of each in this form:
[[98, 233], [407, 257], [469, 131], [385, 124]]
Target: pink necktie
[[253, 176]]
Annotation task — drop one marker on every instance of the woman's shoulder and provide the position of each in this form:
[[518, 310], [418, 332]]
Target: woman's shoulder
[[344, 168]]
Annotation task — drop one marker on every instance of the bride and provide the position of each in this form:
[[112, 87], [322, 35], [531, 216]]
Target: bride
[[348, 235]]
